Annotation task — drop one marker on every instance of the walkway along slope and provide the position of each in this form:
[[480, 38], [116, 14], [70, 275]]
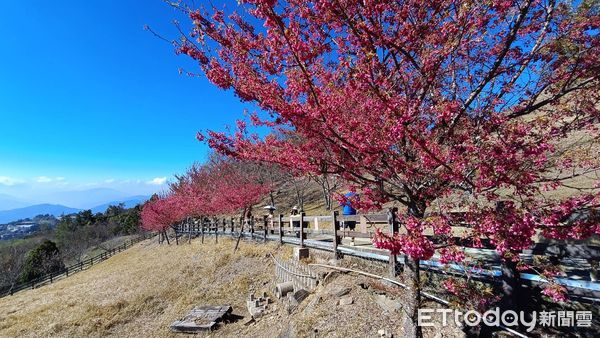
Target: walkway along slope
[[577, 258]]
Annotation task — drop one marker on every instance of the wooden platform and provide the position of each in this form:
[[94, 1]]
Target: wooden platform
[[201, 319]]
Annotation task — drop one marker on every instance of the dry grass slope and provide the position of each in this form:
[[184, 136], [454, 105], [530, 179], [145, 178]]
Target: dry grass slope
[[139, 292]]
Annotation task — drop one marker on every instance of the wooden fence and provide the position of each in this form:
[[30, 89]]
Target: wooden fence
[[68, 271], [328, 233], [300, 275]]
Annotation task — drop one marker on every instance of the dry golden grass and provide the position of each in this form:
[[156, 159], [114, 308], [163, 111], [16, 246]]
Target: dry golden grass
[[141, 291]]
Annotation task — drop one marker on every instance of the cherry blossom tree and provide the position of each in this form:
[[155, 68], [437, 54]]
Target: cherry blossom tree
[[418, 102], [220, 186], [160, 213]]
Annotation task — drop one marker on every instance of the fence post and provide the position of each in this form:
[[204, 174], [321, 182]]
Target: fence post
[[280, 228], [265, 226], [336, 238], [232, 225], [302, 229], [216, 224], [252, 227], [393, 226], [363, 224]]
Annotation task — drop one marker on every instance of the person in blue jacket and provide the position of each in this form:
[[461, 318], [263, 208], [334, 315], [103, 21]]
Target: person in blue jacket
[[349, 210]]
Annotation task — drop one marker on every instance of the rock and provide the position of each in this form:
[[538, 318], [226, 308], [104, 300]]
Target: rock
[[339, 291], [257, 306], [291, 304], [384, 333], [387, 304], [312, 305], [294, 299], [256, 311], [348, 300]]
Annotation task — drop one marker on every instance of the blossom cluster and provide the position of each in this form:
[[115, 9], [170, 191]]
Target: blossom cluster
[[222, 186], [419, 103]]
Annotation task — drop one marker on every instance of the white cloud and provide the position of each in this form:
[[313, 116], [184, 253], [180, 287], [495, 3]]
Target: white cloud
[[158, 181], [10, 181], [46, 179], [109, 181]]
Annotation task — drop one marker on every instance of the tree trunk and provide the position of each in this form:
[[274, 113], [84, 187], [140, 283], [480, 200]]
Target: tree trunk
[[412, 278], [326, 195], [510, 285], [166, 236], [237, 243], [176, 235], [202, 230], [413, 298], [299, 194], [189, 228]]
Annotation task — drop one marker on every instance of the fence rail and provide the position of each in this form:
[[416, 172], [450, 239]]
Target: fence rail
[[70, 270], [328, 233]]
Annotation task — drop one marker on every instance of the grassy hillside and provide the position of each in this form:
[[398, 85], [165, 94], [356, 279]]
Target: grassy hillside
[[141, 291], [136, 293]]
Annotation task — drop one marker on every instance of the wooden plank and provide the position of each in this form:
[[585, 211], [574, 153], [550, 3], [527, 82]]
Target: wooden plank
[[355, 234], [201, 319]]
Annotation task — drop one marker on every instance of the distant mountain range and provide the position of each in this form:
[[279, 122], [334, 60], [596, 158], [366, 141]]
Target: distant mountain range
[[10, 202], [84, 199], [34, 210], [129, 203], [60, 209]]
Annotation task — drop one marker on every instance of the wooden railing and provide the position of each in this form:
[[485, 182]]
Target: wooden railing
[[328, 232]]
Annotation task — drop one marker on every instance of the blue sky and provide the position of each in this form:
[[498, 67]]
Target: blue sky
[[88, 98]]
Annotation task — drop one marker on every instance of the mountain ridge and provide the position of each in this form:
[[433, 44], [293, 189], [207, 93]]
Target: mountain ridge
[[56, 210], [34, 210], [8, 202]]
